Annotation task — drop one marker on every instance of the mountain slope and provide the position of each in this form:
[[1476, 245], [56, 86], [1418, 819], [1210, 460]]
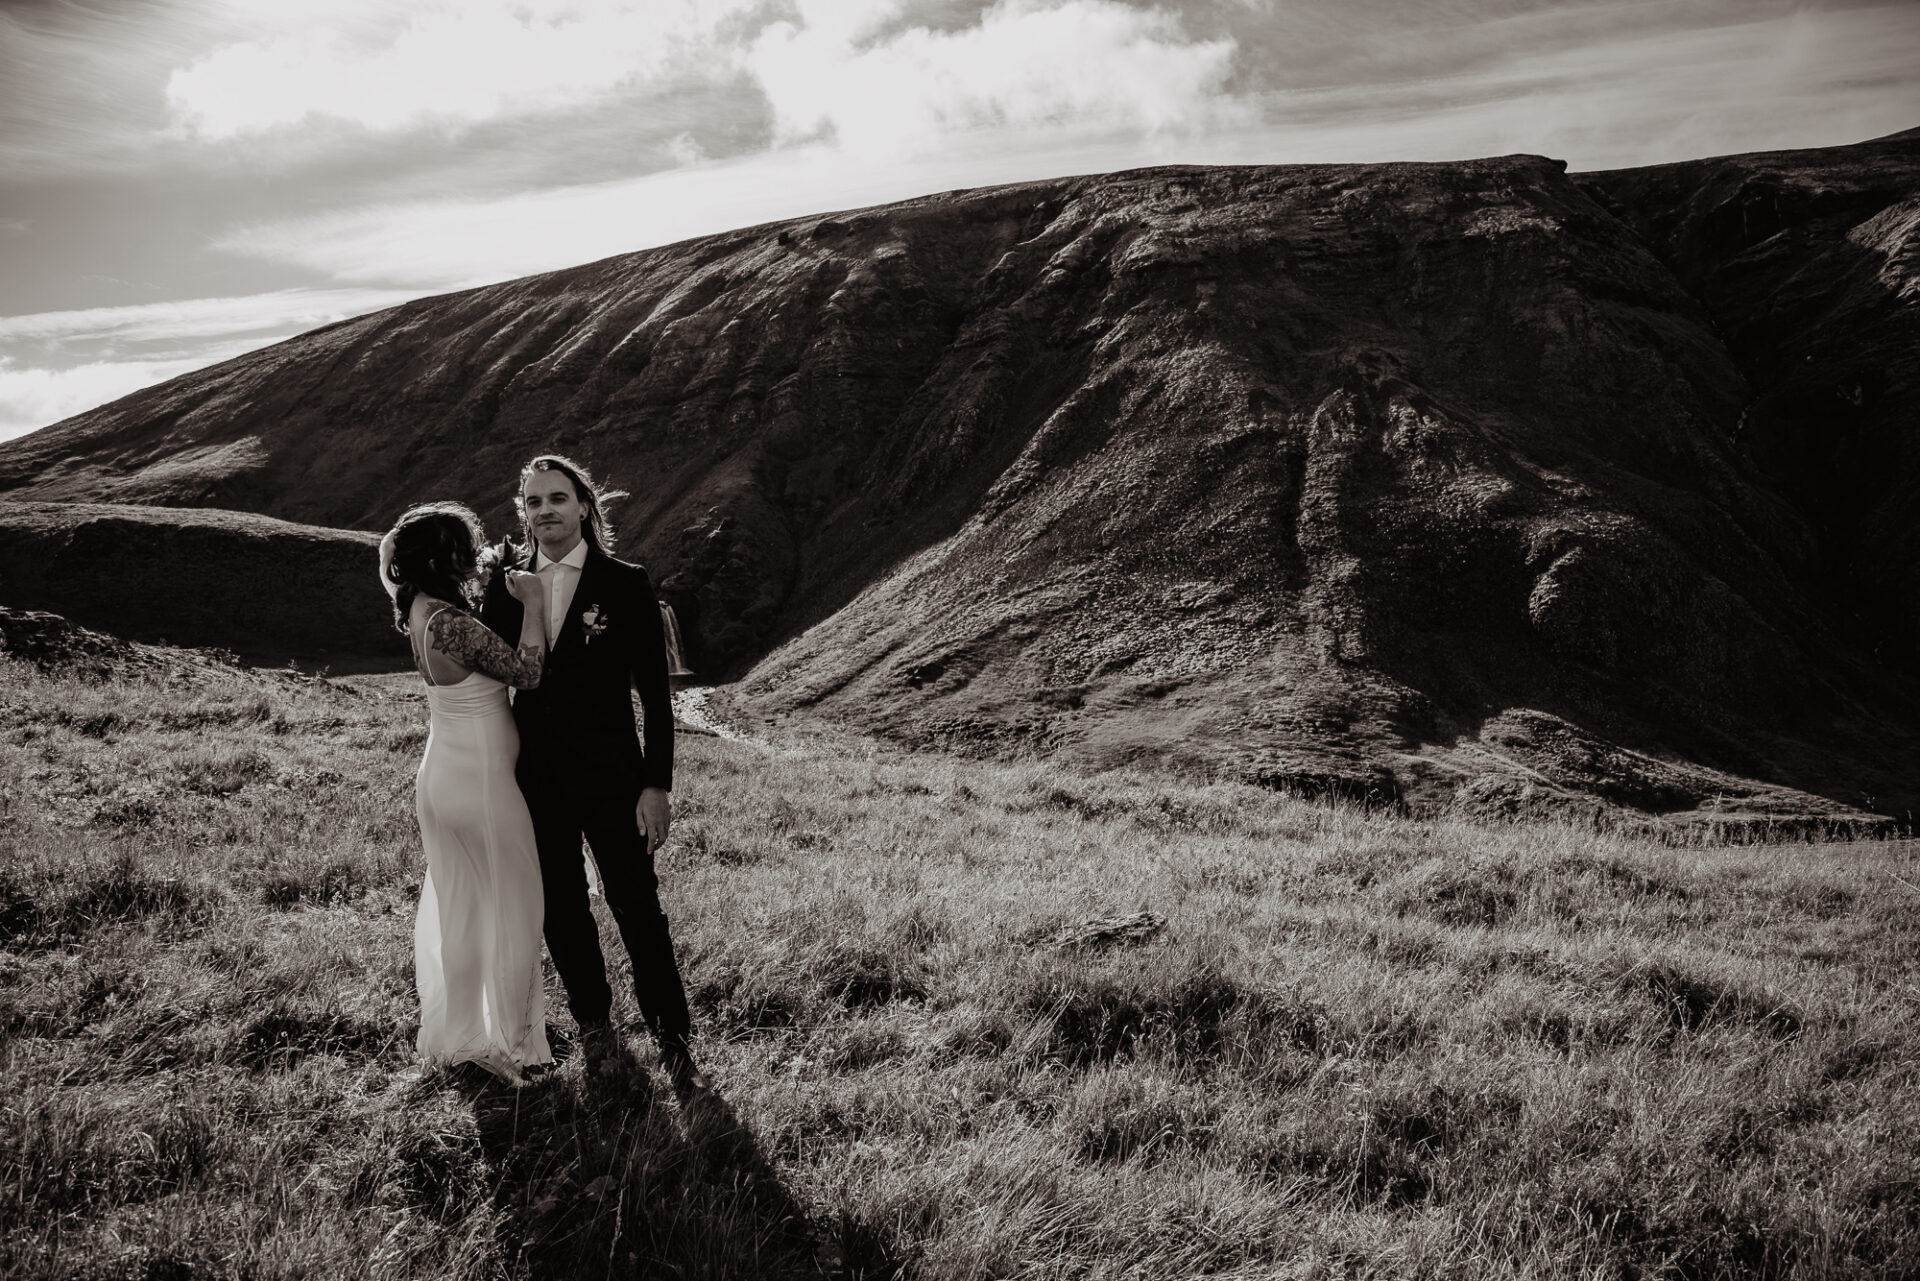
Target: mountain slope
[[1808, 263], [1424, 480]]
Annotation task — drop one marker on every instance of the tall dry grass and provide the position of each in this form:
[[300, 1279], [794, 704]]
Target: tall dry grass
[[1356, 1045]]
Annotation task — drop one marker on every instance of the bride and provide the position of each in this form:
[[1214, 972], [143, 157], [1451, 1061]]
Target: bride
[[476, 942]]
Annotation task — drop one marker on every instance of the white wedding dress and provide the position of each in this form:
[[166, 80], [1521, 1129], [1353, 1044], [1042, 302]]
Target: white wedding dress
[[476, 942]]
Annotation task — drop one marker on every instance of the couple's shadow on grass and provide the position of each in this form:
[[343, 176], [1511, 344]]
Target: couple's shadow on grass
[[599, 1171]]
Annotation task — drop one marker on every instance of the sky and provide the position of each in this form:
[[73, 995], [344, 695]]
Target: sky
[[185, 180]]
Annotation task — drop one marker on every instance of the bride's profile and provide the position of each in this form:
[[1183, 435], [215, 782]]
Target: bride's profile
[[477, 935]]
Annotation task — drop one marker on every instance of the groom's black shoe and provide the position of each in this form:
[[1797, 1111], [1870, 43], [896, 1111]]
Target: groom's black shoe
[[688, 1080]]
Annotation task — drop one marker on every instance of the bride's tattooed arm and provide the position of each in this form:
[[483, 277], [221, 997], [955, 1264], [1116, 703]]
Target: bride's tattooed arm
[[468, 642]]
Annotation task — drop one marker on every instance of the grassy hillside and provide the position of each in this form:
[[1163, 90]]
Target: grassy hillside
[[1354, 1046]]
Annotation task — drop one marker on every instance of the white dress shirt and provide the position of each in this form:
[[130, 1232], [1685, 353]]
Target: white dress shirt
[[561, 576]]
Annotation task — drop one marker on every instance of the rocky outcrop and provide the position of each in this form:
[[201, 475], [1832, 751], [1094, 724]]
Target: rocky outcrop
[[53, 644], [1420, 481], [266, 590]]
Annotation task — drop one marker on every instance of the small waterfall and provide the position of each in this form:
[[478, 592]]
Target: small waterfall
[[676, 656]]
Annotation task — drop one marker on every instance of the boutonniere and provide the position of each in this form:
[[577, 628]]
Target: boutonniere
[[591, 623]]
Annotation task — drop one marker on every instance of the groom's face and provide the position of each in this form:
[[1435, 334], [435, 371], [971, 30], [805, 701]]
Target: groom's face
[[553, 511]]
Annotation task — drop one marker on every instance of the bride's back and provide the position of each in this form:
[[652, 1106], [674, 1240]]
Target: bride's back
[[429, 659]]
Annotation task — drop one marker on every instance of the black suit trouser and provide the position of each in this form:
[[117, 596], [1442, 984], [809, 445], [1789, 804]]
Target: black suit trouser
[[632, 892]]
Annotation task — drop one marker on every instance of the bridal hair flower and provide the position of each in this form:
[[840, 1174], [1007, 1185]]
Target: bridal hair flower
[[387, 580]]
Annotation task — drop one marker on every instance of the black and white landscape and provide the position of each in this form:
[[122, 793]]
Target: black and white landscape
[[1479, 484], [1276, 704]]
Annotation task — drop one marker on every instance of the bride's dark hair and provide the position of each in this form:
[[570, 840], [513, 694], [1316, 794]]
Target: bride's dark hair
[[437, 549]]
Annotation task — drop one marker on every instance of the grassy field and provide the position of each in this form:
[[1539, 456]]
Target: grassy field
[[1342, 1045]]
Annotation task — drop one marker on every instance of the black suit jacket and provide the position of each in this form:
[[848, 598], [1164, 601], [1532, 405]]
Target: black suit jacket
[[577, 728]]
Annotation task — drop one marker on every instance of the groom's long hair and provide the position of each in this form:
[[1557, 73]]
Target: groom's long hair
[[594, 525]]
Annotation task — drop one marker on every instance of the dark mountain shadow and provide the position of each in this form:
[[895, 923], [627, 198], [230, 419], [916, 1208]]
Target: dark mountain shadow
[[1807, 262]]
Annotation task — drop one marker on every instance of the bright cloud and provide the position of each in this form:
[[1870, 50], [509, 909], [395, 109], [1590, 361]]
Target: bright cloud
[[1634, 100], [32, 398], [1098, 64], [195, 318], [447, 244], [446, 61], [58, 363], [1095, 65]]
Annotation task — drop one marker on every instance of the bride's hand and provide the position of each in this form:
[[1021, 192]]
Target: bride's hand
[[524, 587]]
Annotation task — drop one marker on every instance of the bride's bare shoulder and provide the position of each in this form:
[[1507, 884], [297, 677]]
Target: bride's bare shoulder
[[425, 608]]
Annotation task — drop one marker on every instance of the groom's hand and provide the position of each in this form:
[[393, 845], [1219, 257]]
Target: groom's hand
[[654, 815]]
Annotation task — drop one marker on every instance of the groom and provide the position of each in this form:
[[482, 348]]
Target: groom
[[582, 767]]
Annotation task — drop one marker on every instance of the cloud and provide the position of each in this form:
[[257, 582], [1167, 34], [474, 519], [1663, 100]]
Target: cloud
[[194, 318], [57, 364], [1089, 65], [1796, 81], [893, 109], [64, 76], [32, 398], [1629, 97], [866, 71], [448, 244], [447, 62]]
